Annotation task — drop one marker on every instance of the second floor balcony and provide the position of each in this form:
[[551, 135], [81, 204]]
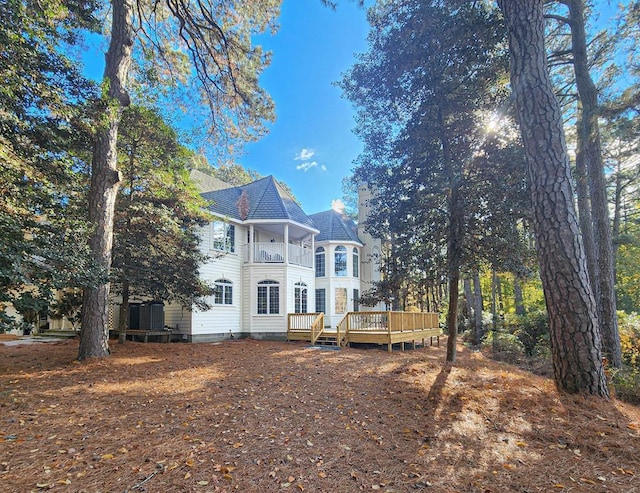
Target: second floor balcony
[[278, 253]]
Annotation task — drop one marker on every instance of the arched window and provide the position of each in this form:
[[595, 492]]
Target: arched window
[[300, 298], [320, 262], [268, 297], [356, 263], [340, 261], [223, 292]]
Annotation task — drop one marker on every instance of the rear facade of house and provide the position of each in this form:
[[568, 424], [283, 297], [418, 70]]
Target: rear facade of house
[[268, 258]]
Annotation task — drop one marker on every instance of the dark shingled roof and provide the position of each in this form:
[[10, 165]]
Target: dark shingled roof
[[335, 226], [267, 199]]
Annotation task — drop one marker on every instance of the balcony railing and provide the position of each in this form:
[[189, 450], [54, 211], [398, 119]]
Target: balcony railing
[[273, 253]]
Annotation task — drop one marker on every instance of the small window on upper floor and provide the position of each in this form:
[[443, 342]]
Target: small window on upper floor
[[223, 236], [340, 261]]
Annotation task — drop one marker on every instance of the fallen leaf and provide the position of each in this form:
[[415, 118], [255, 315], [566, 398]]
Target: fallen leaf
[[634, 426]]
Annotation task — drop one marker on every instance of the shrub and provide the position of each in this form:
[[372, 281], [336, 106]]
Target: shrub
[[503, 346]]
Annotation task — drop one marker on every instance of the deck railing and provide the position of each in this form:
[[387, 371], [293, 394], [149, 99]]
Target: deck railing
[[274, 253], [377, 327], [312, 323]]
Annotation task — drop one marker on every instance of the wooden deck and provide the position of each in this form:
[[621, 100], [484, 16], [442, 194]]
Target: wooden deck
[[162, 335], [366, 328]]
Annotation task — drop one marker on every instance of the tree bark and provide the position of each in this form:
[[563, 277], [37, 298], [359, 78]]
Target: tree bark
[[573, 324], [584, 205], [588, 92], [105, 179]]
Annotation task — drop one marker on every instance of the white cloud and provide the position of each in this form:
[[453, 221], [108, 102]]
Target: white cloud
[[306, 166], [304, 155], [337, 205], [323, 168]]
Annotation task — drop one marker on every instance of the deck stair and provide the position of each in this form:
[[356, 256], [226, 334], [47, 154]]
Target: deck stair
[[327, 340]]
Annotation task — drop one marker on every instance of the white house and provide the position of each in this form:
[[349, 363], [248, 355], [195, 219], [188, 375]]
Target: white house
[[269, 258]]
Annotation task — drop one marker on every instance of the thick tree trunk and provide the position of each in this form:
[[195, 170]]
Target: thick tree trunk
[[600, 208], [105, 179], [574, 332]]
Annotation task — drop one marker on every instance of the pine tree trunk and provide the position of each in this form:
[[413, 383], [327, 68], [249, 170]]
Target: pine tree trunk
[[574, 332], [617, 218], [584, 204], [588, 92], [105, 179]]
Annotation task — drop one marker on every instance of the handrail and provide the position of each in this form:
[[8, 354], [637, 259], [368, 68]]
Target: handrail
[[343, 327], [317, 327]]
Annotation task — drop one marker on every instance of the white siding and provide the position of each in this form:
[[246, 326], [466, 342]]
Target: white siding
[[264, 325], [220, 321]]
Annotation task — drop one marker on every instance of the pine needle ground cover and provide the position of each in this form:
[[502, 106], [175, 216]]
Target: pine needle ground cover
[[256, 416]]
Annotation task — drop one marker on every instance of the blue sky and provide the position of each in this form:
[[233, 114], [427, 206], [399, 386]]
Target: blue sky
[[311, 146]]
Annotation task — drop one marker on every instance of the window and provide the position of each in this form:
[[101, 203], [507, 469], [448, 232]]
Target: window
[[223, 294], [356, 263], [341, 300], [321, 300], [356, 300], [223, 236], [268, 297], [340, 256], [320, 262], [300, 298]]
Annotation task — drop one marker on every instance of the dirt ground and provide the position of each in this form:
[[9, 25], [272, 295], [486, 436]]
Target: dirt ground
[[254, 416]]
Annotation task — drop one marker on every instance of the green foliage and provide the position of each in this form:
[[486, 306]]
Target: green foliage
[[628, 277], [43, 246], [200, 58], [508, 345], [531, 329], [627, 379], [158, 214], [447, 190]]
